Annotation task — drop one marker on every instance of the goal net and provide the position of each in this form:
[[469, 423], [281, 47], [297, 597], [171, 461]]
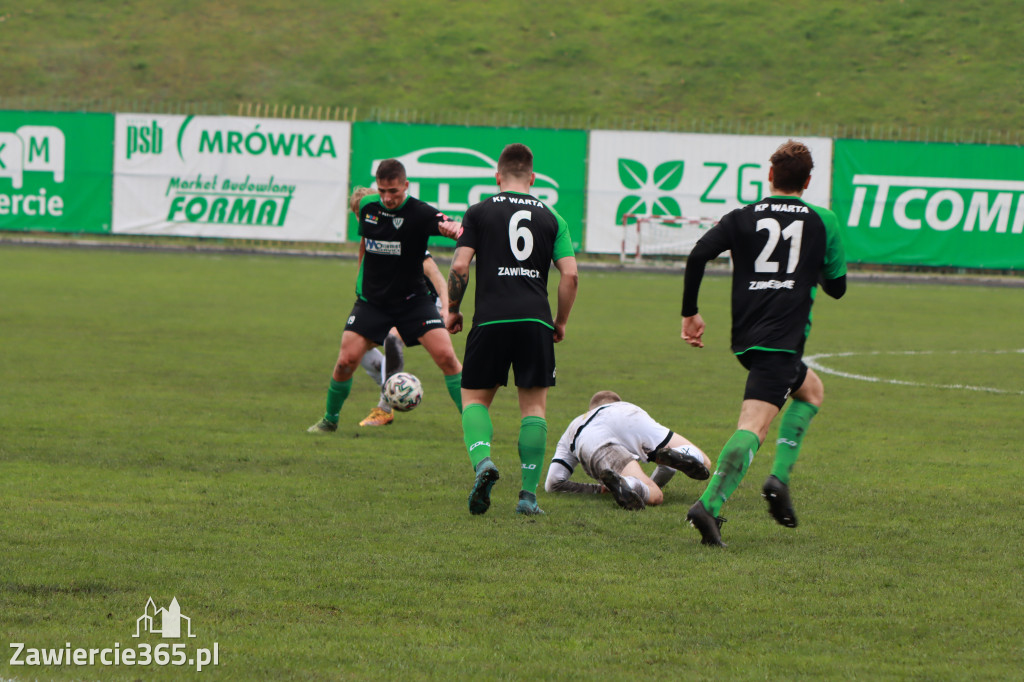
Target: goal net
[[660, 235]]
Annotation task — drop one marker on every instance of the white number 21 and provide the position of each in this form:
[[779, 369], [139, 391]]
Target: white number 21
[[794, 232]]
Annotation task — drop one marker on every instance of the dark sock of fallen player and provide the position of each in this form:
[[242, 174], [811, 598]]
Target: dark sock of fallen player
[[662, 475], [394, 358]]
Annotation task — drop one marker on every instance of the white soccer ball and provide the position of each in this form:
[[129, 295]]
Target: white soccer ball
[[402, 391]]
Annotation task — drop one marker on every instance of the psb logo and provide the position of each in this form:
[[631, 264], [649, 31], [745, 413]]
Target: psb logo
[[148, 139], [32, 148], [164, 622], [351, 319]]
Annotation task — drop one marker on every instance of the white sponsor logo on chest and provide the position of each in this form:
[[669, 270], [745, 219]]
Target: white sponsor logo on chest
[[384, 248]]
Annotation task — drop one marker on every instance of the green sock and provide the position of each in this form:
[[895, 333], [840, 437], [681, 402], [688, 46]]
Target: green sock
[[454, 384], [791, 435], [733, 463], [336, 395], [533, 440], [477, 431]]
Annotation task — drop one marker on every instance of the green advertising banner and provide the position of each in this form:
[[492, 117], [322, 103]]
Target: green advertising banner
[[452, 167], [918, 203], [56, 171]]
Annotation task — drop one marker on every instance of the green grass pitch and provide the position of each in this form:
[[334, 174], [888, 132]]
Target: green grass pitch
[[153, 409]]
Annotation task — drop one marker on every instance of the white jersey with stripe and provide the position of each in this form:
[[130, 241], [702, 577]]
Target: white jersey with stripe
[[618, 423]]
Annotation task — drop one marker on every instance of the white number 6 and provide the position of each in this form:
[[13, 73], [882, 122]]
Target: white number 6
[[517, 232]]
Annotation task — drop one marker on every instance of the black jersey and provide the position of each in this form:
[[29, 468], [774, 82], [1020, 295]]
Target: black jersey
[[396, 241], [780, 248], [516, 237]]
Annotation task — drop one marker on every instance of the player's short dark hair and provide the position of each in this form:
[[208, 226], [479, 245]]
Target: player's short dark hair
[[792, 165], [390, 169], [516, 160], [603, 398]]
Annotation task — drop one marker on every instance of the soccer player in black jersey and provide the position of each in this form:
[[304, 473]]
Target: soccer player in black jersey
[[381, 366], [390, 288], [782, 248], [515, 238]]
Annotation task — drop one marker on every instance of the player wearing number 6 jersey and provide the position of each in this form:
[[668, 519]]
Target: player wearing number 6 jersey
[[781, 249], [514, 238]]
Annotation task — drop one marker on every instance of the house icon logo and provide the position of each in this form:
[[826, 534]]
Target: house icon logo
[[164, 622]]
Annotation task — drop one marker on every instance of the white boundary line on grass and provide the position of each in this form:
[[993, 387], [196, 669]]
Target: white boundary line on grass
[[813, 361]]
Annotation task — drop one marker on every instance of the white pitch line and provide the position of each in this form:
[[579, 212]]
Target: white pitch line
[[812, 361]]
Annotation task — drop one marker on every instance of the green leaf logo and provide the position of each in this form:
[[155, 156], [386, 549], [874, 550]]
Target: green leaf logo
[[668, 175], [629, 204], [632, 173], [666, 206], [651, 188]]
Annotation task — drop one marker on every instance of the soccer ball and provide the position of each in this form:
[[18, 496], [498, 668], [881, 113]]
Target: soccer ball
[[402, 391]]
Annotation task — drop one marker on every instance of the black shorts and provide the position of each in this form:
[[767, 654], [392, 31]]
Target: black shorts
[[412, 318], [527, 347], [772, 375]]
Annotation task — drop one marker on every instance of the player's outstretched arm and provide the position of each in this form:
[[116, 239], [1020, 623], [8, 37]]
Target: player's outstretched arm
[[558, 481], [568, 285], [458, 281]]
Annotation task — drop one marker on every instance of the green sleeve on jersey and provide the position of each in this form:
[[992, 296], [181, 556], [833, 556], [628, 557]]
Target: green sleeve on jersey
[[835, 254], [368, 199], [563, 242]]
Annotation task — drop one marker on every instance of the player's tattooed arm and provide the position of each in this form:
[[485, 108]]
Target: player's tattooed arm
[[457, 283]]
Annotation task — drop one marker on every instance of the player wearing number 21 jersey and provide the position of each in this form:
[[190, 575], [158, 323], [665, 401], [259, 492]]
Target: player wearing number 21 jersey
[[514, 238], [781, 249]]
